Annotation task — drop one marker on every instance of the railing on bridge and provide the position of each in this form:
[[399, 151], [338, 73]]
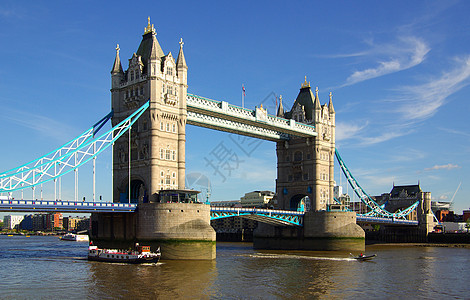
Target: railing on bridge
[[385, 221], [256, 123], [269, 216], [64, 206]]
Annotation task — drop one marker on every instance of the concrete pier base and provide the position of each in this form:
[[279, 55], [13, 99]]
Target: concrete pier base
[[322, 231], [181, 230]]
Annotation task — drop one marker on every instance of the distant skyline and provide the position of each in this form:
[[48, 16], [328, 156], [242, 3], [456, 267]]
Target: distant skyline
[[399, 73]]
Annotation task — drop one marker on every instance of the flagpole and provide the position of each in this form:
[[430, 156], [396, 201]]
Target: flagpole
[[243, 96]]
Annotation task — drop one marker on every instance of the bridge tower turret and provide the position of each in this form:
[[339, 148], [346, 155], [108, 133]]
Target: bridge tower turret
[[157, 142], [117, 76], [306, 165]]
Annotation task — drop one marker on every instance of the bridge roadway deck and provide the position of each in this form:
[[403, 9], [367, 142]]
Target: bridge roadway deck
[[270, 216]]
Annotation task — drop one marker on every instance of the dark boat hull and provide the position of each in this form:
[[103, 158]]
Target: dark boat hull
[[365, 257]]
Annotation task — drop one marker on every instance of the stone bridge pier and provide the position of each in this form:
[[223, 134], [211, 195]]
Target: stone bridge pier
[[181, 230], [322, 231]]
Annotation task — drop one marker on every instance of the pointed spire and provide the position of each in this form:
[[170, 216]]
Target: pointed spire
[[117, 67], [156, 51], [330, 104], [280, 109], [180, 61], [317, 100]]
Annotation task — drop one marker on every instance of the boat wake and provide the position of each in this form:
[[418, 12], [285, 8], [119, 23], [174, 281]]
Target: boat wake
[[293, 256]]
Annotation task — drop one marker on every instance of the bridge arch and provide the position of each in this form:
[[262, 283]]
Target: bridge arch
[[138, 191]]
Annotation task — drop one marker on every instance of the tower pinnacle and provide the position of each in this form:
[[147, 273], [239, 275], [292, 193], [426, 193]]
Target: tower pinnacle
[[330, 104], [305, 84], [117, 67], [280, 109], [150, 28], [180, 61]]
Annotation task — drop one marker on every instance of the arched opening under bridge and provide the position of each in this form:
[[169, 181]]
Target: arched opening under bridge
[[138, 192], [300, 202]]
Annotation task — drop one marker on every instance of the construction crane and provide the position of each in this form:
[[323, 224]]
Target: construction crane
[[452, 200]]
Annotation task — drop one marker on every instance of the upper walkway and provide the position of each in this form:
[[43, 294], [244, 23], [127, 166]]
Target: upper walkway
[[221, 115]]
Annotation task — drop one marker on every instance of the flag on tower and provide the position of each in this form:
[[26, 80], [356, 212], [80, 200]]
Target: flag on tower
[[243, 89]]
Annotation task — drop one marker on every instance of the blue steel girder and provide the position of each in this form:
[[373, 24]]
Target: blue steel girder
[[68, 157], [376, 210], [270, 216]]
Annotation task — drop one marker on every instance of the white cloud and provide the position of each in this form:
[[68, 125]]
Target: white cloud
[[408, 53], [367, 141], [42, 125], [347, 130], [413, 104], [422, 101], [443, 167], [453, 131], [404, 155]]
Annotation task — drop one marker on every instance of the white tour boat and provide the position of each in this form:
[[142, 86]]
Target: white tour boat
[[140, 255]]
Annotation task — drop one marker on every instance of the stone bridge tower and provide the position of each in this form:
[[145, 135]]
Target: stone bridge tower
[[306, 165], [306, 177], [157, 147]]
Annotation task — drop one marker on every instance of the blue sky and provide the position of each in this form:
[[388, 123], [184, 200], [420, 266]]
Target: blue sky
[[399, 72]]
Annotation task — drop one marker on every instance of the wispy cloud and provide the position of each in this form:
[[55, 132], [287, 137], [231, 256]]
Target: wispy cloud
[[443, 167], [363, 134], [346, 131], [412, 104], [367, 141], [404, 155], [453, 131], [422, 101], [406, 53], [42, 125]]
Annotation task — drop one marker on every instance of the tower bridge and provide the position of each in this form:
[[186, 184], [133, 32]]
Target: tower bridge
[[150, 109]]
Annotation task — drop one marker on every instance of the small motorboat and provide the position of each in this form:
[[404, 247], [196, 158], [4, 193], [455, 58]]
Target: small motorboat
[[141, 254], [363, 257]]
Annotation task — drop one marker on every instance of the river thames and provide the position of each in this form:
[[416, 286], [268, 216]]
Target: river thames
[[45, 267]]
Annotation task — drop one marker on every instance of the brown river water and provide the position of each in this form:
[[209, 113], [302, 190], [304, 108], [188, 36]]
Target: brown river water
[[47, 268]]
